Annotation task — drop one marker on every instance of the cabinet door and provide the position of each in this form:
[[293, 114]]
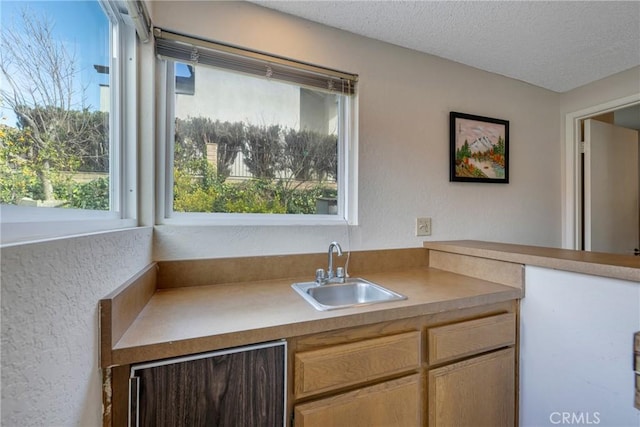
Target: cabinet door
[[244, 387], [392, 403], [477, 392]]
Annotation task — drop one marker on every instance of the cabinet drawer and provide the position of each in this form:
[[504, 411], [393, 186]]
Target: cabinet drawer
[[392, 403], [330, 368], [463, 339]]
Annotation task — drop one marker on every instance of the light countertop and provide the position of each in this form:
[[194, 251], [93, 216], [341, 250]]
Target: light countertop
[[181, 318], [189, 320]]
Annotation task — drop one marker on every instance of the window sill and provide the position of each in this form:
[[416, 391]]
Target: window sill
[[21, 225]]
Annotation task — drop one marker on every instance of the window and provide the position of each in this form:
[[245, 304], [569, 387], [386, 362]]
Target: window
[[254, 134], [62, 76]]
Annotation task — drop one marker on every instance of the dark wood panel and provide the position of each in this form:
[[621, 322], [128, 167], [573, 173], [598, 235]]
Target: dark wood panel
[[238, 389]]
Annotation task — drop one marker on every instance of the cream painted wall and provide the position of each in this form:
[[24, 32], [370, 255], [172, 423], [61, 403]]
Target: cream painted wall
[[608, 89], [50, 293], [404, 101]]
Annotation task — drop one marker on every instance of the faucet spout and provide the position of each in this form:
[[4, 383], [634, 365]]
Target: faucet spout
[[332, 246]]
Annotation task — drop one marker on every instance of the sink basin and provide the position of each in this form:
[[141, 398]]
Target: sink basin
[[353, 292]]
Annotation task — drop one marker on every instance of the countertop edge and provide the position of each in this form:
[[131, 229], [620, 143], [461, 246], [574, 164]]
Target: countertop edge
[[598, 264]]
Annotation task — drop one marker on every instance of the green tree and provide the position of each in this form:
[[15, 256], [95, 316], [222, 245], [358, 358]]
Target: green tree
[[463, 152], [500, 147]]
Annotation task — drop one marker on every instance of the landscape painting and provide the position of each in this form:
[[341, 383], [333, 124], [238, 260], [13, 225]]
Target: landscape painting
[[479, 149]]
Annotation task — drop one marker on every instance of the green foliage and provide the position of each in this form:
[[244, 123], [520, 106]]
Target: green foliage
[[92, 195], [289, 168], [253, 196], [194, 193], [25, 165], [89, 195], [68, 139], [303, 201], [205, 193], [307, 157], [34, 155], [18, 177]]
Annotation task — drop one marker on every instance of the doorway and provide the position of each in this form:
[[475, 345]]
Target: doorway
[[580, 230], [610, 214]]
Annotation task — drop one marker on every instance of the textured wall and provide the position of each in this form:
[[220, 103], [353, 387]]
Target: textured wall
[[50, 293], [404, 100]]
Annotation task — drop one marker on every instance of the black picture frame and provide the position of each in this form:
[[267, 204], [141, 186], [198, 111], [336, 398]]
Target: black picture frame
[[478, 149]]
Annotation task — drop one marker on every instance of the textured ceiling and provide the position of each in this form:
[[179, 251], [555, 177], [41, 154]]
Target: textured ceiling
[[558, 45]]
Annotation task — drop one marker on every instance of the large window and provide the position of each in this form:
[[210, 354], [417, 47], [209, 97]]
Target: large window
[[252, 135], [62, 125]]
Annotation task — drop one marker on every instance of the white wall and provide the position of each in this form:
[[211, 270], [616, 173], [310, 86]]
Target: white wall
[[404, 100], [50, 293], [576, 347]]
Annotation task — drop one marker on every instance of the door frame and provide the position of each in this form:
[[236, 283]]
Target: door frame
[[571, 200]]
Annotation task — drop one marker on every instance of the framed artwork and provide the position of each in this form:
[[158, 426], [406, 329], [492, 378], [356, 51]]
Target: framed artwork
[[479, 149]]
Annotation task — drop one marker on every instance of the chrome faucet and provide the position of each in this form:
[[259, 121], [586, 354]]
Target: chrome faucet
[[336, 245]]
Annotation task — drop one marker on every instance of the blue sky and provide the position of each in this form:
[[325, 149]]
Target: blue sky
[[84, 29]]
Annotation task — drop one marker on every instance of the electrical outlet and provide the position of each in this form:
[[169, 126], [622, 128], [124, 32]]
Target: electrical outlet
[[423, 226]]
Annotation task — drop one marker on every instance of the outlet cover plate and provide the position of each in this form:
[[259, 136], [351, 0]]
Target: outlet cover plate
[[423, 226]]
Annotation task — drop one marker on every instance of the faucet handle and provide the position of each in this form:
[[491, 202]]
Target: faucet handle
[[340, 272], [320, 276]]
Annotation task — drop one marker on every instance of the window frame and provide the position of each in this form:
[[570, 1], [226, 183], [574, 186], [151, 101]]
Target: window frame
[[22, 224], [347, 169]]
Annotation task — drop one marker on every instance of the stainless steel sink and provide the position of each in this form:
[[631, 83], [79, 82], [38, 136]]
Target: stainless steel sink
[[353, 292]]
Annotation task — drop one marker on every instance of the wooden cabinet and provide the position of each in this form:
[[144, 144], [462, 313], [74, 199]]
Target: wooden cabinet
[[452, 368], [339, 366], [391, 403], [242, 386], [480, 389], [476, 392], [367, 382], [459, 340], [455, 368]]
